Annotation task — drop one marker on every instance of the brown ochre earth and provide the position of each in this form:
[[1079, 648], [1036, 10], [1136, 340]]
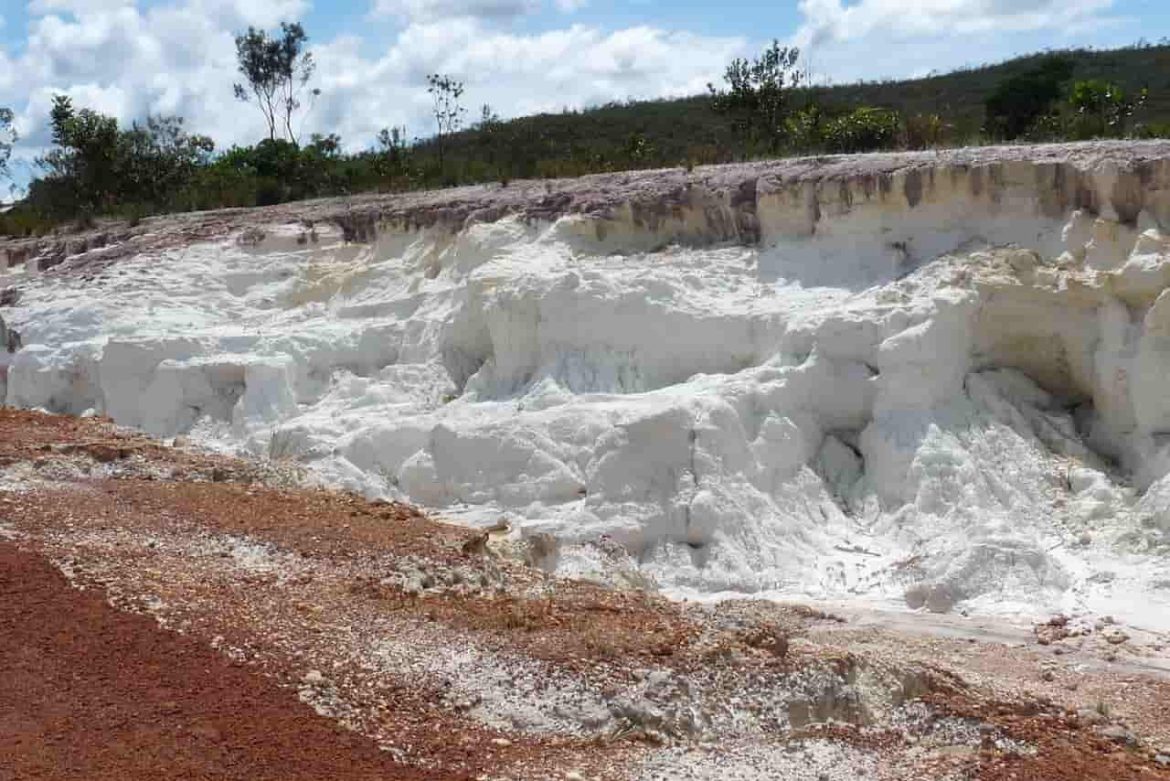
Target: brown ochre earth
[[90, 690]]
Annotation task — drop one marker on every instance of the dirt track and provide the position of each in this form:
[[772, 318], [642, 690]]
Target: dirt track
[[221, 607], [89, 692]]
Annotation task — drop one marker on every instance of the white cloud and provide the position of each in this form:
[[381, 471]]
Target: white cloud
[[486, 10], [234, 14], [75, 6], [179, 58], [433, 10], [515, 74], [874, 39], [828, 20]]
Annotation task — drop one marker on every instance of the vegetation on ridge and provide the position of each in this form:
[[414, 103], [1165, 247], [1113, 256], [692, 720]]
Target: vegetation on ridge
[[765, 107]]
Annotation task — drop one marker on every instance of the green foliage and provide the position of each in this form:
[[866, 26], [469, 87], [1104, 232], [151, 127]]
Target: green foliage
[[158, 160], [866, 129], [1019, 101], [758, 95], [1153, 130], [924, 131], [23, 221], [1102, 109], [94, 167], [445, 93], [275, 171], [276, 70], [81, 168], [805, 129]]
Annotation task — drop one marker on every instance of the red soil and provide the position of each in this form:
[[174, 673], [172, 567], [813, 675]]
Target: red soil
[[88, 692]]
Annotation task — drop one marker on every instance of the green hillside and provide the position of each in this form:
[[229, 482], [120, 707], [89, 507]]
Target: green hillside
[[959, 96], [672, 132]]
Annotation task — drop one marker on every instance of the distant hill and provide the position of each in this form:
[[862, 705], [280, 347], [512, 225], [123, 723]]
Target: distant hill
[[671, 132], [959, 96]]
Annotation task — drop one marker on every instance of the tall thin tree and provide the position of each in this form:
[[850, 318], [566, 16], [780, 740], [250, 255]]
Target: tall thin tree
[[445, 93], [277, 70]]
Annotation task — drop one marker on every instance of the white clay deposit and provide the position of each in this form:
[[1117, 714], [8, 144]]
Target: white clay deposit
[[944, 384]]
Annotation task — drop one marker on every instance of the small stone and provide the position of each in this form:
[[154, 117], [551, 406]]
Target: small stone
[[1102, 622], [501, 742], [1114, 636], [1162, 759], [573, 775], [1118, 734], [1048, 675], [314, 677], [1090, 716]]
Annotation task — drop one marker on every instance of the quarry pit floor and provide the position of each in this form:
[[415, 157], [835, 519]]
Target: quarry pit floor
[[170, 613]]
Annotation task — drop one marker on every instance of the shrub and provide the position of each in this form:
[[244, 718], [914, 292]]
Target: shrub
[[1018, 102], [758, 95], [924, 131], [804, 129], [1102, 109], [863, 130]]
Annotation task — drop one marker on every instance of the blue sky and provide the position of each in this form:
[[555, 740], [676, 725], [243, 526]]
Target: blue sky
[[133, 57]]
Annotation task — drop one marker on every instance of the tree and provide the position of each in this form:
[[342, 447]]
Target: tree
[[392, 143], [1102, 109], [325, 147], [82, 166], [391, 157], [277, 71], [158, 159], [488, 119], [490, 130], [445, 93], [1017, 103], [96, 167], [8, 138], [758, 94]]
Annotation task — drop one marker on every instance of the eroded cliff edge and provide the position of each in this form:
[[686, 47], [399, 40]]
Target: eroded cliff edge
[[935, 377]]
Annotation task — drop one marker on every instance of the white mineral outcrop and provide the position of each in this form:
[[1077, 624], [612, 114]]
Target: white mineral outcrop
[[938, 378]]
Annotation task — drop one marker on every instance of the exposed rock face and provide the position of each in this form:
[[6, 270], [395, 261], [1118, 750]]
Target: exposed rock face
[[9, 343], [927, 199], [932, 377]]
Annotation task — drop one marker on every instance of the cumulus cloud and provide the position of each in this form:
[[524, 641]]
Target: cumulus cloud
[[431, 10], [515, 74], [75, 6], [871, 39], [486, 10], [130, 59], [834, 20]]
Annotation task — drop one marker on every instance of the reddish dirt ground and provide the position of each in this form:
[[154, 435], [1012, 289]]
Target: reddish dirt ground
[[89, 692]]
